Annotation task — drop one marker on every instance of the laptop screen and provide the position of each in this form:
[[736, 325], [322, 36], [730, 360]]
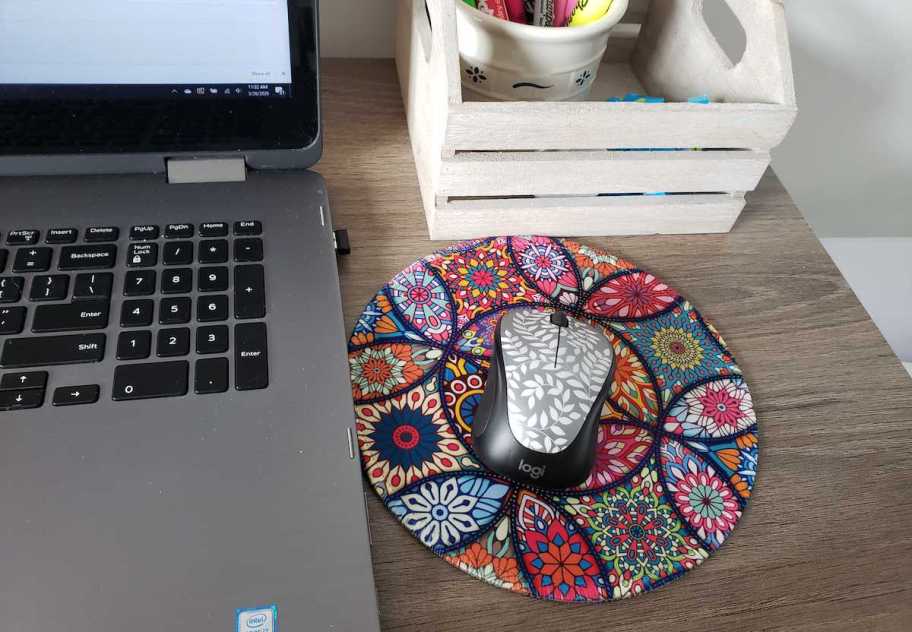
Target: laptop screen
[[129, 48], [157, 76]]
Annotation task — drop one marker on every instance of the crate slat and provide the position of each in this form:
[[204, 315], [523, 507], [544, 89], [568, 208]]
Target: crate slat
[[525, 126], [594, 172], [638, 215]]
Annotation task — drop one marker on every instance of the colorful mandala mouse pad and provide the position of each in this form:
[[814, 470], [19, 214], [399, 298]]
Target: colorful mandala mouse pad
[[677, 447]]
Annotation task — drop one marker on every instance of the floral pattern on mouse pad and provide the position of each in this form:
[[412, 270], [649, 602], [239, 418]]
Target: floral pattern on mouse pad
[[676, 450]]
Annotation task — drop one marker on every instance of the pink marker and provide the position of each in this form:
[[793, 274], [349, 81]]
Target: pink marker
[[516, 9], [563, 9], [497, 8]]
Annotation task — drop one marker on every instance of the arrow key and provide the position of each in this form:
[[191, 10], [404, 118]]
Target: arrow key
[[23, 381], [21, 399], [75, 395]]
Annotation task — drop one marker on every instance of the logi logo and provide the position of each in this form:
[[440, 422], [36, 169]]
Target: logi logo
[[534, 473]]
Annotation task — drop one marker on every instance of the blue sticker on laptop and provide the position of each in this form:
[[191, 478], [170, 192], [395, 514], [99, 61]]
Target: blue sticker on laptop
[[262, 619]]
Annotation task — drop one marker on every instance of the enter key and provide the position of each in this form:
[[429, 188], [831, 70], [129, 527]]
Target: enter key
[[251, 366]]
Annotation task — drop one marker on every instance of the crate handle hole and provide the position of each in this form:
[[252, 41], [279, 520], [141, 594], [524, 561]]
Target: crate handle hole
[[425, 27], [726, 28]]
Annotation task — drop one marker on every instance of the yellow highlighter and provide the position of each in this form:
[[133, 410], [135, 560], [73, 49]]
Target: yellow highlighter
[[588, 11]]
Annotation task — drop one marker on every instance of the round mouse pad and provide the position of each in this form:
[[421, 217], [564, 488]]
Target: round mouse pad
[[677, 444]]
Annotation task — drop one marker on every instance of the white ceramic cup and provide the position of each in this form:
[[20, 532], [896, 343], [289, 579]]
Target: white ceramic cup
[[519, 62]]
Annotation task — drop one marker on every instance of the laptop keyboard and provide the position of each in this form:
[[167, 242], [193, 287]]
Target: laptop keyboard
[[181, 284]]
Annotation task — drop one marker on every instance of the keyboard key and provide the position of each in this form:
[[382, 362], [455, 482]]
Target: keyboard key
[[142, 255], [11, 289], [102, 233], [174, 311], [246, 250], [137, 313], [134, 345], [144, 232], [211, 308], [139, 283], [52, 350], [4, 254], [249, 292], [173, 342], [75, 395], [213, 251], [61, 236], [178, 253], [211, 376], [93, 285], [212, 339], [81, 315], [21, 381], [251, 370], [53, 287], [21, 400], [22, 237], [212, 279], [88, 257], [12, 320], [178, 231], [144, 381], [33, 259], [213, 229], [179, 281], [248, 227]]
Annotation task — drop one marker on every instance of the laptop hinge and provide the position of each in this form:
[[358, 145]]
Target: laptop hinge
[[203, 170]]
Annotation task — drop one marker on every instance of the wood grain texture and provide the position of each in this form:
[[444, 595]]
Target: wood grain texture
[[825, 544]]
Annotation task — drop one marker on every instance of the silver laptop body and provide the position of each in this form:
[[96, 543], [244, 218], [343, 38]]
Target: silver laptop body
[[227, 511]]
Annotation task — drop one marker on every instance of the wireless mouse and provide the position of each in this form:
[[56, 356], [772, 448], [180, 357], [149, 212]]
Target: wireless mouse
[[537, 421]]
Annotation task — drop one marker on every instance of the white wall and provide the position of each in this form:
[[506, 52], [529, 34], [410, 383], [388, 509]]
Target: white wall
[[357, 28], [879, 270], [848, 160]]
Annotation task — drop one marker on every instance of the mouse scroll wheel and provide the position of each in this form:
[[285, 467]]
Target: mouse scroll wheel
[[560, 319]]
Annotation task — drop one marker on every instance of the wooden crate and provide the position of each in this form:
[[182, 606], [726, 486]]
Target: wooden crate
[[587, 168]]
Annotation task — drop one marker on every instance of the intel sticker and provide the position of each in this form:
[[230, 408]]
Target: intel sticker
[[263, 619]]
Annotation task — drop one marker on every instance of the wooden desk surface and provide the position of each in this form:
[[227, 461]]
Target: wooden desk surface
[[826, 543]]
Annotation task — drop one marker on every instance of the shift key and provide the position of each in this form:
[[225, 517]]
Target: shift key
[[77, 316], [52, 350]]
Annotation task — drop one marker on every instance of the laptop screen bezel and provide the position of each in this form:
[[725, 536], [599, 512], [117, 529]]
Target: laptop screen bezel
[[281, 132]]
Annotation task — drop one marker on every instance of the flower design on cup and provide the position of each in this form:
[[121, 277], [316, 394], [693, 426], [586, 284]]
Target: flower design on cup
[[476, 74], [583, 78]]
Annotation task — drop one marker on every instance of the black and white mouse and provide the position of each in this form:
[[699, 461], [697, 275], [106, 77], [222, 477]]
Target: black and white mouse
[[537, 421]]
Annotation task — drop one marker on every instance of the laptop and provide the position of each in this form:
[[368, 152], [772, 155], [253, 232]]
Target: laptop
[[176, 428]]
